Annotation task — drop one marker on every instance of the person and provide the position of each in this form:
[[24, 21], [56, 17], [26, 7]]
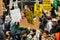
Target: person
[[23, 16], [32, 34], [49, 23], [1, 24], [45, 36], [58, 2], [58, 9], [53, 14], [58, 17], [15, 29], [8, 36], [49, 26], [2, 35], [7, 23], [43, 24], [46, 21], [23, 35], [40, 36], [4, 12], [55, 29], [29, 14]]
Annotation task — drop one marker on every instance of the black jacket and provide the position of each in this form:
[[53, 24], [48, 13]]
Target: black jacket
[[55, 29]]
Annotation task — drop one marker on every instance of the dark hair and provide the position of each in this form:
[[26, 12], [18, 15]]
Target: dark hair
[[27, 6], [17, 23], [23, 32], [33, 30], [44, 21], [1, 35], [46, 32], [9, 33], [24, 14]]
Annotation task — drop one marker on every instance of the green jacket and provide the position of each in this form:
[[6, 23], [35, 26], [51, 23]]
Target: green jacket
[[14, 29]]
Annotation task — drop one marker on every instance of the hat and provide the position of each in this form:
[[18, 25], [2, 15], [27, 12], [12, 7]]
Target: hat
[[54, 19]]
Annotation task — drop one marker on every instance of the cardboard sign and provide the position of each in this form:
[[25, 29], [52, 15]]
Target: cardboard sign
[[38, 10], [15, 14], [47, 5]]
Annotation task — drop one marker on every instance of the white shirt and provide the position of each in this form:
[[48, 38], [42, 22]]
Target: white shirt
[[49, 25]]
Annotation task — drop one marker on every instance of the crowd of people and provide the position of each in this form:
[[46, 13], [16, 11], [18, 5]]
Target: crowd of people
[[49, 28]]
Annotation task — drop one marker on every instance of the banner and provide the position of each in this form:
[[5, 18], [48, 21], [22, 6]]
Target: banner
[[29, 16], [38, 10], [47, 5]]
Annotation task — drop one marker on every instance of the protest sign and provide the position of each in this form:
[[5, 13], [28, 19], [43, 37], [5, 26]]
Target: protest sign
[[15, 14], [47, 5], [38, 10]]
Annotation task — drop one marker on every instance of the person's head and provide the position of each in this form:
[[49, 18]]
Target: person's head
[[45, 34], [8, 34], [54, 22], [26, 7], [23, 14], [7, 19], [23, 33], [3, 6], [48, 14], [32, 32]]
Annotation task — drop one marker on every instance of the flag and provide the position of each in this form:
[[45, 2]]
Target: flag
[[55, 4], [29, 16]]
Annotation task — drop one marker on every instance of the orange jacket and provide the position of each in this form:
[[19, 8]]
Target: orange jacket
[[57, 36]]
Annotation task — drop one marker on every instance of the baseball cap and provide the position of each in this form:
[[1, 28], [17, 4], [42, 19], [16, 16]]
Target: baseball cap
[[54, 19]]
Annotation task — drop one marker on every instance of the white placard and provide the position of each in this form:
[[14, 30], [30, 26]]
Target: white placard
[[15, 14]]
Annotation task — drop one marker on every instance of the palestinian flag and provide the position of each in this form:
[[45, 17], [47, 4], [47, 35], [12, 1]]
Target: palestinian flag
[[55, 4]]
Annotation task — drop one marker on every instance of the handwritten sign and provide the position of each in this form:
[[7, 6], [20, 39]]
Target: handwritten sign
[[38, 10], [47, 5]]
